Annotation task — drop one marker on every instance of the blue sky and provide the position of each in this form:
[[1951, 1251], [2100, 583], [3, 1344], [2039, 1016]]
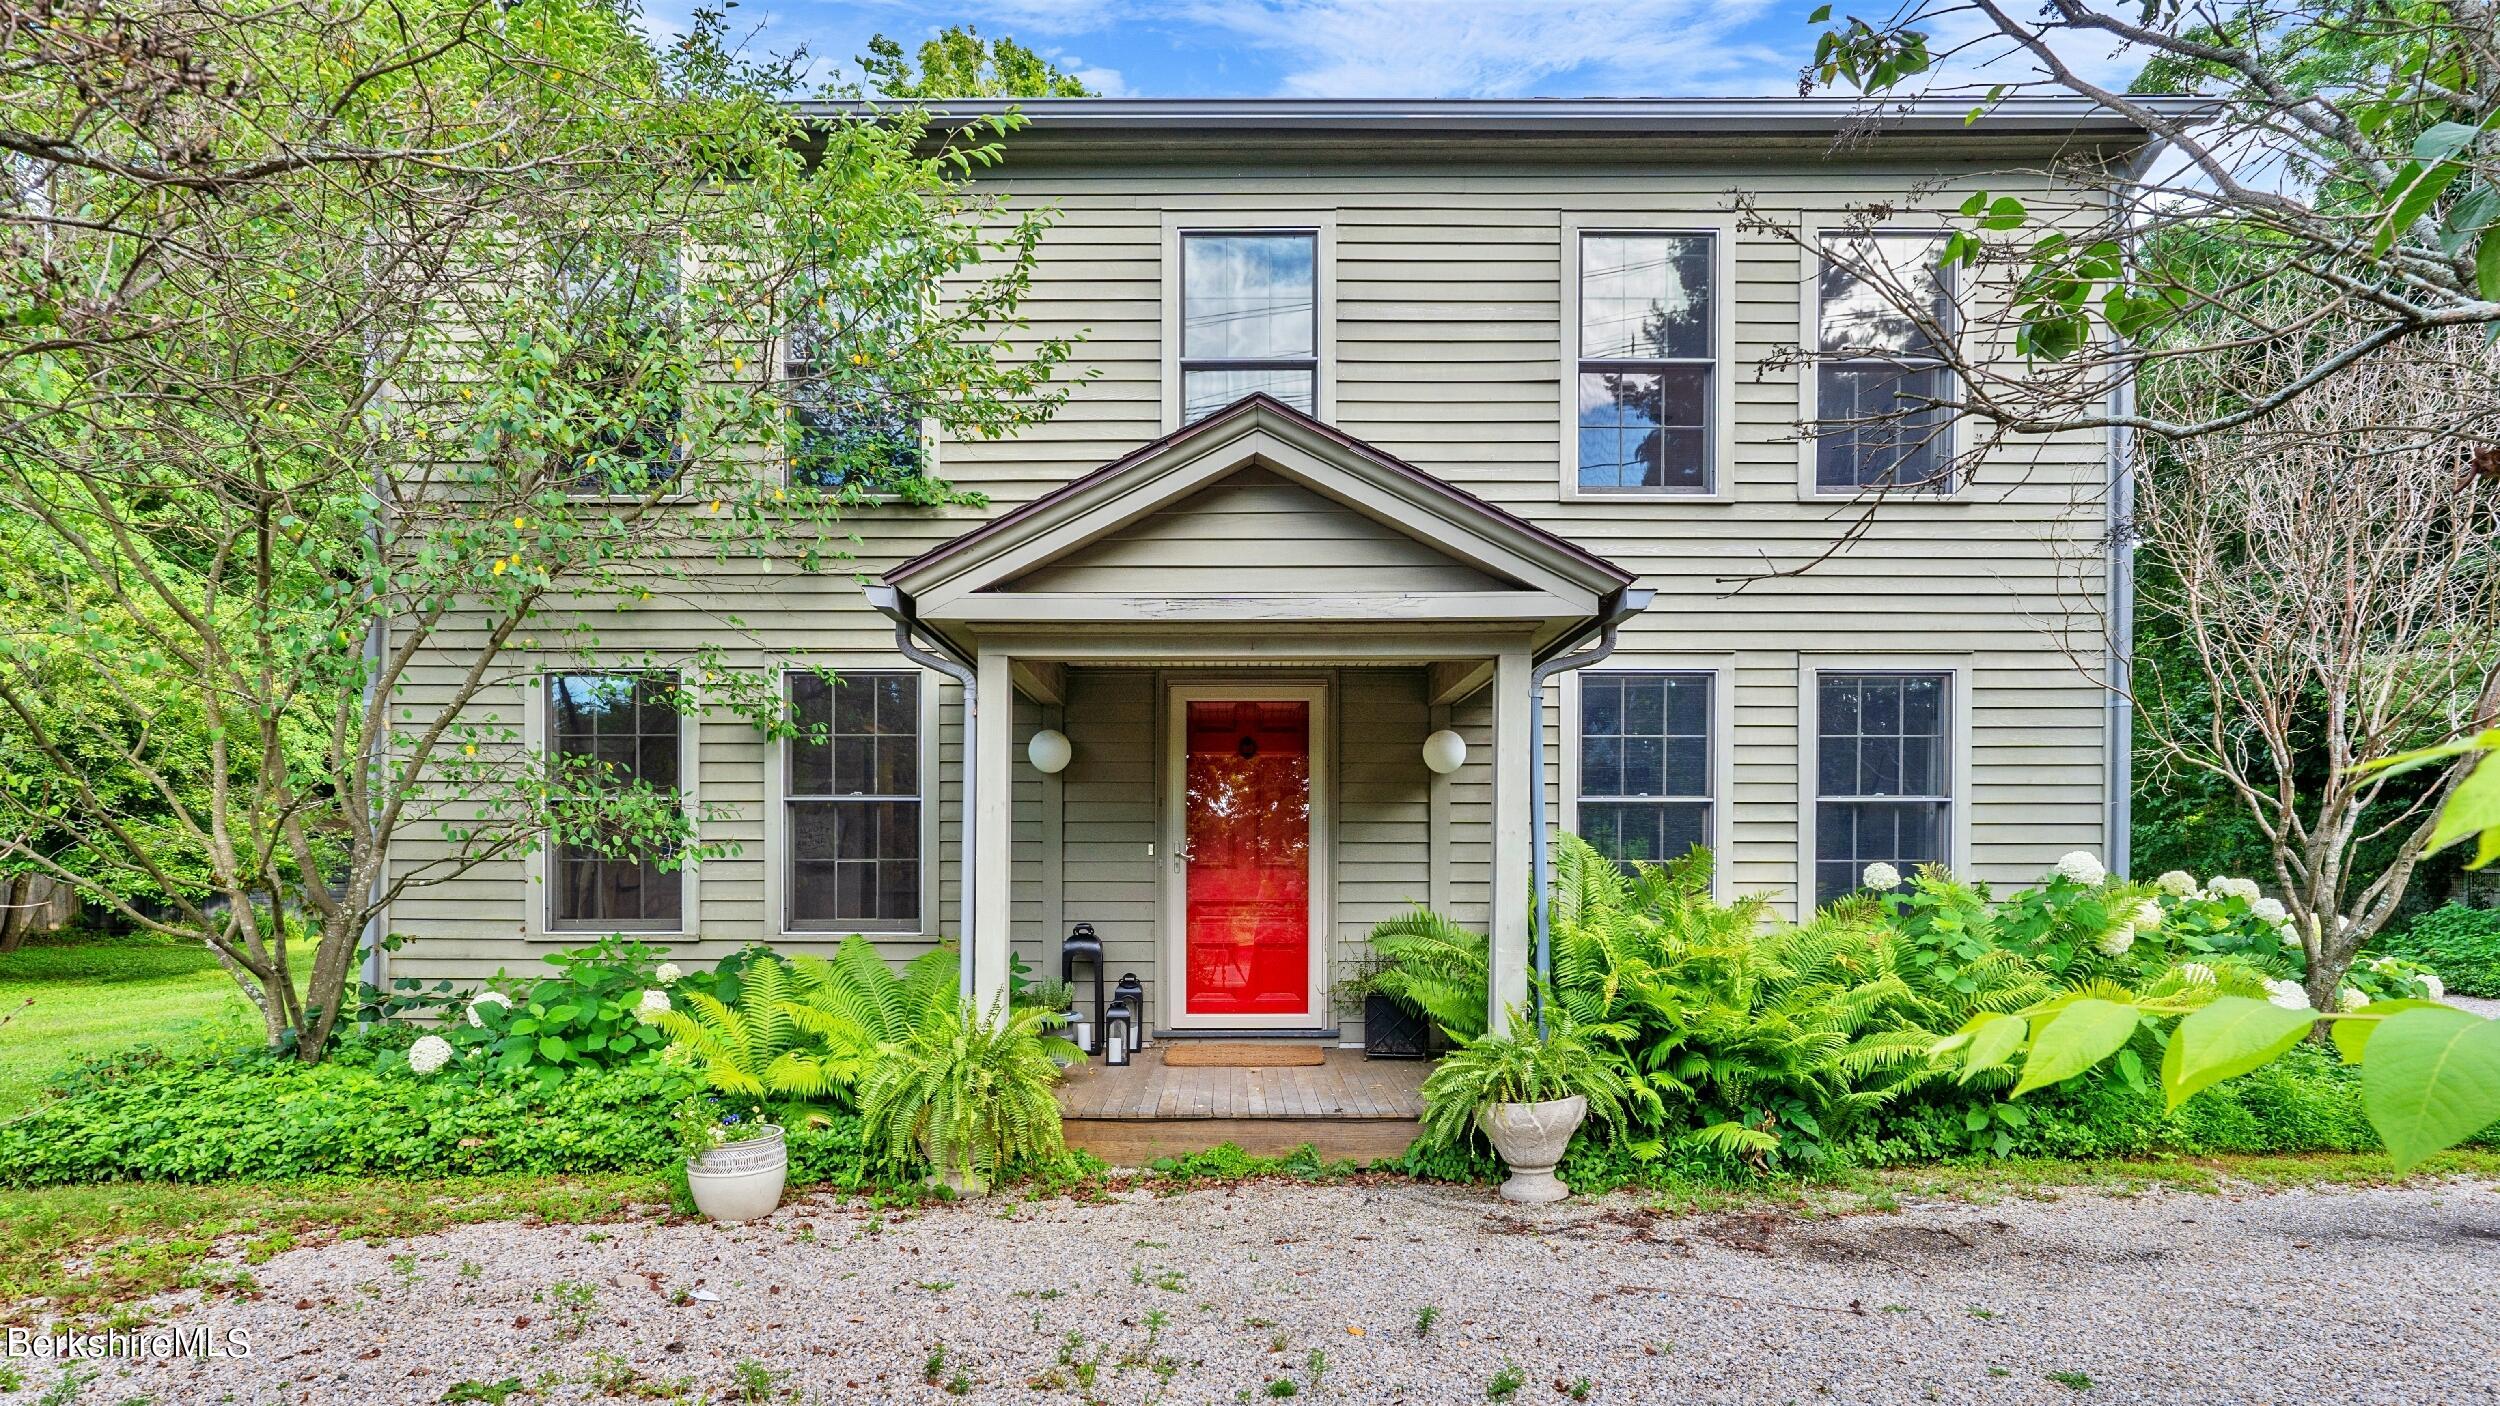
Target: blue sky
[[1342, 48]]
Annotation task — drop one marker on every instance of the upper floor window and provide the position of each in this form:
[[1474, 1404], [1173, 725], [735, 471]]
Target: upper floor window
[[1249, 319], [1645, 782], [852, 791], [1883, 775], [1646, 363], [1880, 377], [622, 376], [848, 427], [612, 732]]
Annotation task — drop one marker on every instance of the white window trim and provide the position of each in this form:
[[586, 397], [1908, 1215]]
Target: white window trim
[[776, 793], [1810, 667], [1723, 236], [1320, 225], [1809, 367], [1722, 671], [540, 923]]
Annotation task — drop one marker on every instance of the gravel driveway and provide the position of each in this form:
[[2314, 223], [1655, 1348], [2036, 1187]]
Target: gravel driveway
[[1395, 1293]]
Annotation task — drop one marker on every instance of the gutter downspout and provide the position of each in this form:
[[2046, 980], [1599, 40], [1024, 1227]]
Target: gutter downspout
[[896, 606], [1627, 603], [2119, 763]]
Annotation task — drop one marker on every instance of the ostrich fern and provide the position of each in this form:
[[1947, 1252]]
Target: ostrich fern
[[968, 1094]]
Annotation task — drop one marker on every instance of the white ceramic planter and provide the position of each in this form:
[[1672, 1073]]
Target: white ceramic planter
[[740, 1180], [1531, 1138]]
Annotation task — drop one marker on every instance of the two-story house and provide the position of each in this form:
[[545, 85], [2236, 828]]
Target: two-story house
[[1443, 471]]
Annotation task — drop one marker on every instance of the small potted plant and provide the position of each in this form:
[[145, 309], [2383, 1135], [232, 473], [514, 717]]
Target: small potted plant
[[736, 1162], [1527, 1094]]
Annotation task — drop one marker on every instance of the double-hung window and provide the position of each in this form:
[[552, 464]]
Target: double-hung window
[[852, 800], [620, 376], [1645, 782], [1883, 774], [1249, 319], [612, 732], [850, 427], [1879, 379], [1647, 359]]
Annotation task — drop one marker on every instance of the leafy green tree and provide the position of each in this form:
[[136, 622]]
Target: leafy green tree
[[959, 63], [364, 364]]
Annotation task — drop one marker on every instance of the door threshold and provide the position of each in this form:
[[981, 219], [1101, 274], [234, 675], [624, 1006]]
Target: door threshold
[[1202, 1033]]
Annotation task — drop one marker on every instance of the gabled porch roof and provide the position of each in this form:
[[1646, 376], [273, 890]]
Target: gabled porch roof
[[1116, 548]]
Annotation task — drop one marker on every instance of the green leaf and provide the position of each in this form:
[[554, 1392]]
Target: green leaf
[[2487, 265], [1993, 1041], [2005, 212], [2430, 1080], [2226, 1039], [2446, 139], [2353, 1036], [1821, 13], [2075, 1039], [553, 1049], [1978, 201], [2473, 809]]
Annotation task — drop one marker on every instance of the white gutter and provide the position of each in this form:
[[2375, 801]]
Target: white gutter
[[2118, 762], [896, 606], [1627, 603]]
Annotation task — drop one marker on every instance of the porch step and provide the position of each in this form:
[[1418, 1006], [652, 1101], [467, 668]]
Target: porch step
[[1134, 1142], [1346, 1107]]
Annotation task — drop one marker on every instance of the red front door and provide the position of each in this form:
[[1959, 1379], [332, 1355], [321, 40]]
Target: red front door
[[1246, 799]]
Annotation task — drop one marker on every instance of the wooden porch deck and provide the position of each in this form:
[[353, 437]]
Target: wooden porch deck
[[1347, 1107]]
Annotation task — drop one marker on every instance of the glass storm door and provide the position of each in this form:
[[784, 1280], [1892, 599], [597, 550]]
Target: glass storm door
[[1246, 861]]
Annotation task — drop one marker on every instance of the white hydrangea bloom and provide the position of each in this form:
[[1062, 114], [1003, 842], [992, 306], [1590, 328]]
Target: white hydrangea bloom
[[667, 974], [2178, 883], [2382, 965], [486, 998], [2224, 886], [1881, 877], [2349, 998], [2290, 936], [429, 1053], [2199, 973], [2148, 916], [2081, 866], [651, 1005], [2117, 940], [2288, 995], [2431, 984], [2269, 909]]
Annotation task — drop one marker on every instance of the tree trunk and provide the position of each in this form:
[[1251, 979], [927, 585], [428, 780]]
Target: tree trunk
[[19, 920]]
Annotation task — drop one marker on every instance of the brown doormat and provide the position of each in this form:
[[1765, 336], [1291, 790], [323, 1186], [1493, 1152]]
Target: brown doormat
[[1239, 1054]]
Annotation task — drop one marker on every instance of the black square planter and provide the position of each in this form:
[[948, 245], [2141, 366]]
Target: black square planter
[[1391, 1031]]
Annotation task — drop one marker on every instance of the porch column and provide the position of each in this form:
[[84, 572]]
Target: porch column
[[1513, 734], [992, 828]]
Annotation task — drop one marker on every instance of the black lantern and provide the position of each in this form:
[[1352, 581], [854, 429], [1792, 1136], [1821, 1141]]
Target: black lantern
[[1132, 993], [1083, 945], [1119, 1027]]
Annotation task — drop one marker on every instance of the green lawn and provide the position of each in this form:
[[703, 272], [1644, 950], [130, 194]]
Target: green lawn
[[64, 999]]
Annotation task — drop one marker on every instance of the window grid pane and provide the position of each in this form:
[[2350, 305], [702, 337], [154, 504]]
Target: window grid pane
[[612, 730], [1877, 386], [849, 431], [852, 803], [1645, 766], [1646, 363], [620, 303], [1883, 775], [1249, 320]]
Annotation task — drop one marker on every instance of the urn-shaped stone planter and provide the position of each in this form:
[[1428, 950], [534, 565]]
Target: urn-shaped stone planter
[[1531, 1138], [740, 1180]]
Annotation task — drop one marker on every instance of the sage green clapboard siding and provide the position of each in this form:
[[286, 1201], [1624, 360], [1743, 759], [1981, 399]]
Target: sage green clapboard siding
[[1255, 531], [1448, 313]]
